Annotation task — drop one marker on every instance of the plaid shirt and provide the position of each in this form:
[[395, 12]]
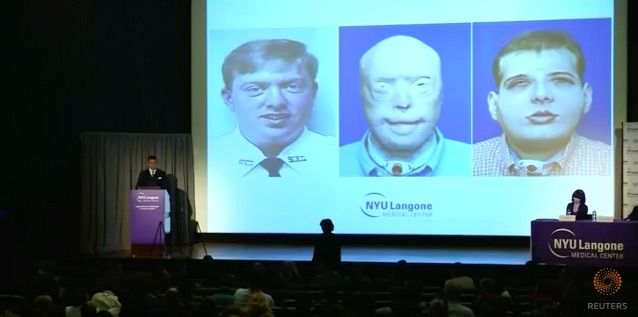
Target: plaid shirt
[[582, 156]]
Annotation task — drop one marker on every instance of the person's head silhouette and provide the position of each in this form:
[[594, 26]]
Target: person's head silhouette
[[327, 226]]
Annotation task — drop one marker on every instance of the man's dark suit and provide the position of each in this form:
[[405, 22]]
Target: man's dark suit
[[158, 179]]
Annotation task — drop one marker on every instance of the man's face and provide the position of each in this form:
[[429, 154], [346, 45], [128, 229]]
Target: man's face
[[152, 164], [272, 104], [541, 97], [402, 95]]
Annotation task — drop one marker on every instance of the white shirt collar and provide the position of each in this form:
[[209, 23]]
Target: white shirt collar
[[293, 154]]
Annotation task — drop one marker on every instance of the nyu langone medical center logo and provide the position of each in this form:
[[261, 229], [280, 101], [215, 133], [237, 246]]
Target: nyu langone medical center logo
[[144, 198], [378, 205], [564, 244]]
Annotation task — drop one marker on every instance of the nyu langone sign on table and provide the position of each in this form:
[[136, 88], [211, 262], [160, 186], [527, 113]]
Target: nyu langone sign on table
[[585, 243], [564, 244]]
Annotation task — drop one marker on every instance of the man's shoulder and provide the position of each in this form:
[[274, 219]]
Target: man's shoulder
[[454, 146], [350, 159], [454, 159], [350, 149], [458, 309], [313, 154], [231, 155], [232, 145], [487, 157], [225, 138], [585, 156], [319, 139], [463, 281], [489, 144], [489, 149], [242, 291], [591, 145]]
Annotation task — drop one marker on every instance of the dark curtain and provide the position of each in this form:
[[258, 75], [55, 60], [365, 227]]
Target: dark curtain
[[110, 165]]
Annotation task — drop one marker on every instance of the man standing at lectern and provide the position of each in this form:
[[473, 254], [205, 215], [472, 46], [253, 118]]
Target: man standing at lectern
[[152, 176]]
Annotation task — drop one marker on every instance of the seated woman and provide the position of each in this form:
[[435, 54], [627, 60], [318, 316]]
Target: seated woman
[[577, 207]]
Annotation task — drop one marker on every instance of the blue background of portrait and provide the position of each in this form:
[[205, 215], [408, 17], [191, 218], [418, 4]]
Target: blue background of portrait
[[451, 41], [594, 37]]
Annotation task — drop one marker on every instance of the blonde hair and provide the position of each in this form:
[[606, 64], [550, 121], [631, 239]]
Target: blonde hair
[[258, 305]]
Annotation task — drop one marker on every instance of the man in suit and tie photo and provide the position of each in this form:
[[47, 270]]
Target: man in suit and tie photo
[[270, 87], [152, 176]]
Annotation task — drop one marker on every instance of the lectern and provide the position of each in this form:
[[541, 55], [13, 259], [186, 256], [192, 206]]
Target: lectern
[[149, 211]]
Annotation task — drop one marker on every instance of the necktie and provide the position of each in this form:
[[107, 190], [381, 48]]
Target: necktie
[[152, 173], [272, 165]]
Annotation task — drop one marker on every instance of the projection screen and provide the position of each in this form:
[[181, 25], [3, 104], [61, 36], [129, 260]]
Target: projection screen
[[405, 117]]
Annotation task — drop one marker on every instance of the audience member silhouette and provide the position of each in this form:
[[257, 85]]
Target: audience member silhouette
[[255, 283], [458, 276], [327, 252]]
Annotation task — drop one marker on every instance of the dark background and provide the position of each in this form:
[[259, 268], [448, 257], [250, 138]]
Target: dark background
[[76, 66]]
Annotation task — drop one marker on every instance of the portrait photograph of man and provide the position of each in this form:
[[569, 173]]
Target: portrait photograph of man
[[269, 89], [546, 110], [405, 101]]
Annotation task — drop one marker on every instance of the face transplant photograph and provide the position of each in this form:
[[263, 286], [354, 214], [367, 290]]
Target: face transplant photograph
[[402, 118], [548, 109]]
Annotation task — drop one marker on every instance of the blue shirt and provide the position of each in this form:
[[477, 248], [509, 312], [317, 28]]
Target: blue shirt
[[449, 158]]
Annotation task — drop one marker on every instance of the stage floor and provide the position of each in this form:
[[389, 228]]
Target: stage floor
[[367, 253]]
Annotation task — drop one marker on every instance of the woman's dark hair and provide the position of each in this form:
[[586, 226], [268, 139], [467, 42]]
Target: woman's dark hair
[[580, 194]]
